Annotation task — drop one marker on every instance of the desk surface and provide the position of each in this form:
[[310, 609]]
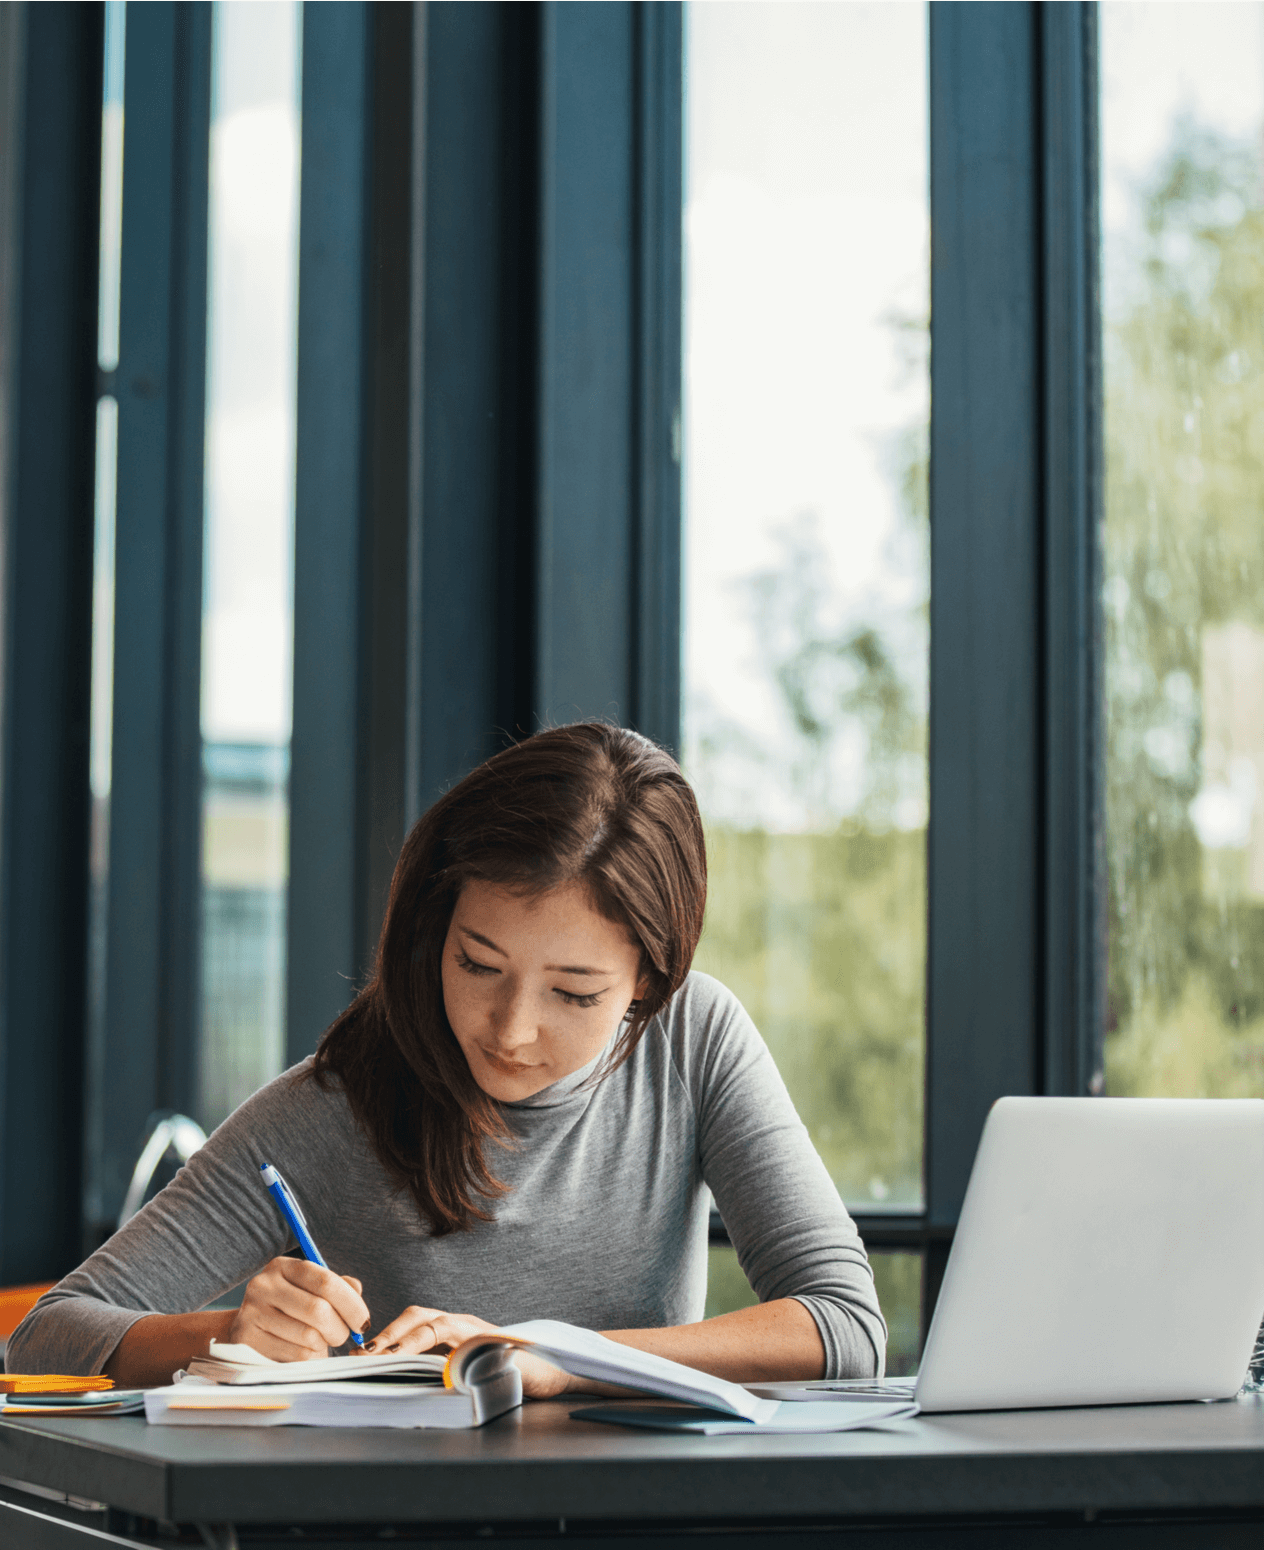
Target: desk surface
[[537, 1464]]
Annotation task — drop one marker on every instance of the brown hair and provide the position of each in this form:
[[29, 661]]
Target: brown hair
[[587, 803]]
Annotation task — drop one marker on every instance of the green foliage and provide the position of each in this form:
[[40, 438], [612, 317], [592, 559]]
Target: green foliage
[[727, 1286], [822, 937], [1184, 550], [833, 680], [897, 1280]]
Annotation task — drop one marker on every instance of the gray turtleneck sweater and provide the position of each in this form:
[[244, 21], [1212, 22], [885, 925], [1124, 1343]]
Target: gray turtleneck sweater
[[605, 1224]]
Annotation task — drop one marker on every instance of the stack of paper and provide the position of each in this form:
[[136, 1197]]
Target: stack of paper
[[235, 1386], [196, 1403], [99, 1402]]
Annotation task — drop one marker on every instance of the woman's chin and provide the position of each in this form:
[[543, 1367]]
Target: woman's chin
[[510, 1086]]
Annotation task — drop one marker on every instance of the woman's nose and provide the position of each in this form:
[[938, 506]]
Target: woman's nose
[[515, 1024]]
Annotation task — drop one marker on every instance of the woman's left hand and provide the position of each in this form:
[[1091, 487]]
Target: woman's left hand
[[430, 1329]]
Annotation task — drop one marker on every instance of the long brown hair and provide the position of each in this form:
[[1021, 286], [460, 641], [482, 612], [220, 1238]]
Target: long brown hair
[[588, 803]]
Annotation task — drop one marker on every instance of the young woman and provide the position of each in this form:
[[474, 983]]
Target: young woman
[[519, 1117]]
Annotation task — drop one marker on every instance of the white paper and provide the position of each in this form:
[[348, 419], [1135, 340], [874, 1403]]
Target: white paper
[[308, 1404], [586, 1354], [242, 1364]]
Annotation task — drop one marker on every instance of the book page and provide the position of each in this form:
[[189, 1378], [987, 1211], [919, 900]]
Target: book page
[[586, 1354], [242, 1364]]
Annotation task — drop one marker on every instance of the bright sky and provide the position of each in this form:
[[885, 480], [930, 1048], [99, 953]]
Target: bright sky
[[1159, 60], [247, 641], [806, 228]]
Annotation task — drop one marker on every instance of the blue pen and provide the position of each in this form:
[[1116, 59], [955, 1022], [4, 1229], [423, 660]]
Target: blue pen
[[279, 1190]]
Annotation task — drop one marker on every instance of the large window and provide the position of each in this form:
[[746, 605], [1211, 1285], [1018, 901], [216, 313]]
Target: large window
[[807, 560], [1183, 224]]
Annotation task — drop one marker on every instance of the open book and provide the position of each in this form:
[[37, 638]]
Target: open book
[[473, 1364], [235, 1386], [243, 1364], [480, 1380], [585, 1354], [722, 1406]]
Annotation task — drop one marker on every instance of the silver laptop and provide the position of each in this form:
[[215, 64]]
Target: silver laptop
[[1110, 1251]]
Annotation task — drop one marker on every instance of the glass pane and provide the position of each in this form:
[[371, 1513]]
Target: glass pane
[[247, 629], [101, 715], [806, 405], [727, 1286], [1183, 289], [897, 1276]]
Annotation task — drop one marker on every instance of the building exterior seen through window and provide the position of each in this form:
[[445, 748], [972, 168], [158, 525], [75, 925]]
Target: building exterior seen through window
[[807, 566], [247, 615], [1183, 292]]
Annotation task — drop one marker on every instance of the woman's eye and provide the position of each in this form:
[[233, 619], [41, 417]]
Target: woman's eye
[[467, 963], [572, 999]]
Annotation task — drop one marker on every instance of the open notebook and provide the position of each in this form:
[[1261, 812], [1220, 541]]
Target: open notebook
[[237, 1364], [479, 1381]]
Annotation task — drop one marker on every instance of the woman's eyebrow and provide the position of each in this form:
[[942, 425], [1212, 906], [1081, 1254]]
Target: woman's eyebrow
[[550, 968], [485, 940]]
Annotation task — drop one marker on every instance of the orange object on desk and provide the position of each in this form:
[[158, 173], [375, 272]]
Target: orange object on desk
[[52, 1383], [16, 1302]]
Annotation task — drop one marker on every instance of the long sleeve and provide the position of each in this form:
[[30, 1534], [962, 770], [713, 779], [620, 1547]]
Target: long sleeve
[[793, 1235], [211, 1228]]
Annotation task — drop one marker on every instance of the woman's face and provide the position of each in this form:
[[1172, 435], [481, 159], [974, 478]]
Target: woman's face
[[534, 986]]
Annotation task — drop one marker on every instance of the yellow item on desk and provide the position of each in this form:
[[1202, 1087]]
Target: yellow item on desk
[[232, 1402], [52, 1383]]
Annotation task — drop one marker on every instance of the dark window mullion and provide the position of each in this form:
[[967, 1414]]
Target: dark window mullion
[[1015, 962], [1074, 976], [151, 993], [51, 63]]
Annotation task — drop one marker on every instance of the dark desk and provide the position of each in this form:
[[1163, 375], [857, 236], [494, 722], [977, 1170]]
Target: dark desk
[[1178, 1474]]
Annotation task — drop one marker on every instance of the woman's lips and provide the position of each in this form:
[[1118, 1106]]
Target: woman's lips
[[509, 1067]]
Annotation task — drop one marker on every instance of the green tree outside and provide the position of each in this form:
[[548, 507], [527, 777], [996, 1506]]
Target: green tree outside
[[1184, 556]]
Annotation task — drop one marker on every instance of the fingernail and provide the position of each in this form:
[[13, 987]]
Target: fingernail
[[370, 1345], [391, 1348], [364, 1328]]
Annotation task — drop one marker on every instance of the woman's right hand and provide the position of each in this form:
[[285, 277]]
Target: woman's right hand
[[293, 1311]]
